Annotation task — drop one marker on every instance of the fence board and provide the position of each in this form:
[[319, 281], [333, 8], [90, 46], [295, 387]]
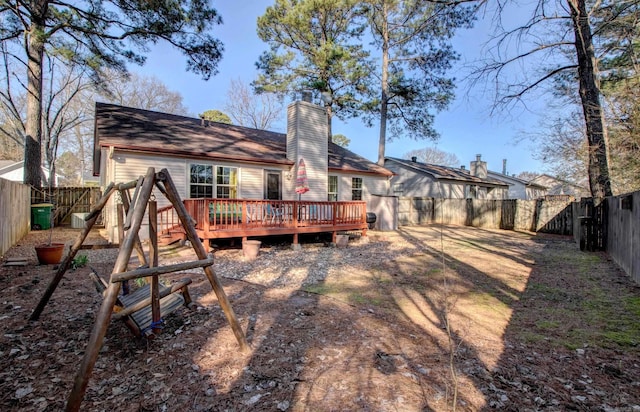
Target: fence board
[[623, 237], [67, 200], [15, 213], [548, 216]]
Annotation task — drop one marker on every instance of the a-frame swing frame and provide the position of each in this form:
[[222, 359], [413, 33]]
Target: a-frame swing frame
[[135, 214]]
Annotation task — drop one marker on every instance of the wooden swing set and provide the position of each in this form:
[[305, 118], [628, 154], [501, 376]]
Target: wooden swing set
[[142, 310]]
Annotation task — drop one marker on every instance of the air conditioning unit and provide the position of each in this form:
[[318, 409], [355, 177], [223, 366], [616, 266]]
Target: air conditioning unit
[[77, 220]]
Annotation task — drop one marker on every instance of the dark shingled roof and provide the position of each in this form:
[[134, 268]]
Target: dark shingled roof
[[447, 173], [161, 133], [345, 160]]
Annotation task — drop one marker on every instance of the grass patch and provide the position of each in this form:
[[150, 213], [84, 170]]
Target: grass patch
[[531, 337], [632, 305], [344, 293], [547, 292], [321, 289], [622, 338], [547, 324]]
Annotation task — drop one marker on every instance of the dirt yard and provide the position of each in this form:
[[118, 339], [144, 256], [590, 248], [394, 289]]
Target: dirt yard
[[533, 324]]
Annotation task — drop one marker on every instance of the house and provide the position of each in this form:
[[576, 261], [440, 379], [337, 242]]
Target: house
[[220, 161], [560, 187], [14, 171], [519, 188], [415, 179]]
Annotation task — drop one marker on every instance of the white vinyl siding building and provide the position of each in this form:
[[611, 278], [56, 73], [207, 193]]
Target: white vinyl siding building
[[415, 179], [230, 161]]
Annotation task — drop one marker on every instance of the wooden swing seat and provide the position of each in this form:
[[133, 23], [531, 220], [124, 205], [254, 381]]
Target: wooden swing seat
[[135, 308]]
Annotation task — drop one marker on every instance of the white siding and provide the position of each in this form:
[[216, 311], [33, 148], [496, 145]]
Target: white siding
[[307, 139], [374, 185], [449, 190], [517, 191], [419, 184], [252, 182], [344, 187], [126, 167], [129, 167], [252, 186], [371, 185]]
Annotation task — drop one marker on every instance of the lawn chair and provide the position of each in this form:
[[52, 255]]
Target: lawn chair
[[273, 214], [134, 309]]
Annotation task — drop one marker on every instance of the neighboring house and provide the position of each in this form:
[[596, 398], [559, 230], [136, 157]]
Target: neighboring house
[[415, 179], [14, 171], [89, 180], [519, 188], [557, 187], [214, 160]]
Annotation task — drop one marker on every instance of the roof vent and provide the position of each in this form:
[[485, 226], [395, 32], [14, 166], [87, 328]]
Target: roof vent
[[463, 167], [414, 159]]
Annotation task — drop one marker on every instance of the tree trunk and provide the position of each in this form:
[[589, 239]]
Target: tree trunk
[[33, 127], [385, 84], [327, 107], [598, 167]]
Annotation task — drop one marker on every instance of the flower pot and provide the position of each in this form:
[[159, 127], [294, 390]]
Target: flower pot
[[342, 241], [49, 254], [250, 249]]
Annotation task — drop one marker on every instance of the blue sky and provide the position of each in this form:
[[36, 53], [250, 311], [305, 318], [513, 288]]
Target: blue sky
[[466, 128]]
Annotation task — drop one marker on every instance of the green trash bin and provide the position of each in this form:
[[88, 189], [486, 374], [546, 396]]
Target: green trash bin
[[41, 216]]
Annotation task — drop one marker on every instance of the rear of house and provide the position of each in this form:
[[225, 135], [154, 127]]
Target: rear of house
[[214, 160]]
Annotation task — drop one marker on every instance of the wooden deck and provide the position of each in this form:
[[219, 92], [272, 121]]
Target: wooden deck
[[241, 218]]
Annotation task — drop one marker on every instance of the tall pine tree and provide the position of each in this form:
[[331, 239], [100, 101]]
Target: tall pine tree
[[99, 34]]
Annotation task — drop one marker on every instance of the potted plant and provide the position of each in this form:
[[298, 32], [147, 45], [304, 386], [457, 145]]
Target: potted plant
[[50, 253]]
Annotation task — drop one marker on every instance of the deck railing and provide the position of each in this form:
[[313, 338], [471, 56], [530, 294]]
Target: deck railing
[[244, 215]]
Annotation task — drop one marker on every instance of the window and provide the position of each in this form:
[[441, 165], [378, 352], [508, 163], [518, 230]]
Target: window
[[356, 188], [201, 181], [226, 182], [202, 184], [333, 189], [398, 189], [471, 192]]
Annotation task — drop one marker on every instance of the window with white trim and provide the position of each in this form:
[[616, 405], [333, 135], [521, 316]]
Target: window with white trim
[[333, 189], [203, 183], [356, 188], [226, 182]]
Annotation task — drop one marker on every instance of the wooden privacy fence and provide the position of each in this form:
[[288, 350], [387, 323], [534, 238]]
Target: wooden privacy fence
[[548, 216], [14, 213], [67, 201]]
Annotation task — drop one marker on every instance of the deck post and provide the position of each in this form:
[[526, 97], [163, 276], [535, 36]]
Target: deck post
[[335, 217]]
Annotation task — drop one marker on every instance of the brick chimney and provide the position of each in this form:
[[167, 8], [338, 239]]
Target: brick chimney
[[478, 168]]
